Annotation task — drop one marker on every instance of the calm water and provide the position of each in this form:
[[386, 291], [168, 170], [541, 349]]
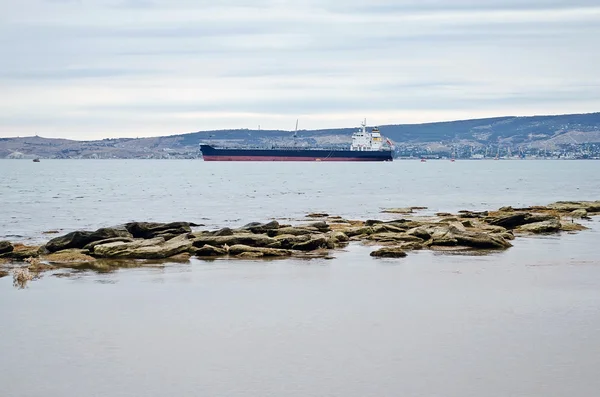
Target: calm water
[[524, 322]]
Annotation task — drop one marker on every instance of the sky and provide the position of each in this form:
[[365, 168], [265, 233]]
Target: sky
[[93, 69]]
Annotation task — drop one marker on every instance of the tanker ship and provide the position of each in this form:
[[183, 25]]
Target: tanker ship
[[366, 146]]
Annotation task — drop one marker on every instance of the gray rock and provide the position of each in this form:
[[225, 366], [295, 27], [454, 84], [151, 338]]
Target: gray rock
[[5, 247], [239, 248], [358, 231], [287, 241], [253, 240], [389, 236], [389, 252], [260, 228], [80, 239], [148, 230], [551, 226], [321, 226], [209, 250], [312, 244], [90, 246], [156, 248], [579, 213], [295, 231], [223, 232]]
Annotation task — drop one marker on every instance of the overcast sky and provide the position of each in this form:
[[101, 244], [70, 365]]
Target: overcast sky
[[88, 69]]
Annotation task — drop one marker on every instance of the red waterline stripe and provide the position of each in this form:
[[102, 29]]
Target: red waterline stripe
[[279, 158]]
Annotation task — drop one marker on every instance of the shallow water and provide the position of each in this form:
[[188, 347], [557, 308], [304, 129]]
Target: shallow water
[[523, 322], [76, 194]]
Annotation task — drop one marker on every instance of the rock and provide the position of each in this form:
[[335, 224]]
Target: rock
[[80, 239], [287, 241], [398, 211], [389, 252], [148, 230], [383, 227], [451, 236], [472, 214], [551, 226], [209, 250], [338, 237], [239, 249], [317, 215], [443, 214], [421, 232], [3, 273], [479, 239], [572, 226], [321, 226], [296, 231], [506, 209], [69, 256], [513, 220], [569, 206], [411, 246], [223, 232], [358, 231], [90, 246], [254, 240], [21, 252], [389, 236], [250, 255], [312, 244], [155, 248], [316, 254], [260, 228], [371, 222], [579, 213], [5, 247]]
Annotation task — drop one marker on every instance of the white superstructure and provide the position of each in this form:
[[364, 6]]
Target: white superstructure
[[362, 140]]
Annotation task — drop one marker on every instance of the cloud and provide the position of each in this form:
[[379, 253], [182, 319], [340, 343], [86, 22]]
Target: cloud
[[149, 67]]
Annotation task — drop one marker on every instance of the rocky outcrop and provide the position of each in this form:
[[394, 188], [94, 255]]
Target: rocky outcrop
[[569, 206], [287, 241], [312, 244], [21, 252], [397, 211], [451, 236], [513, 220], [90, 246], [260, 228], [317, 215], [389, 252], [148, 230], [580, 213], [69, 257], [5, 247], [209, 250], [80, 239], [239, 249], [293, 230], [253, 240], [396, 237], [550, 226], [155, 248]]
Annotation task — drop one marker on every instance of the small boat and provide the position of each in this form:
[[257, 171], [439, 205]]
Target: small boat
[[423, 160], [36, 160]]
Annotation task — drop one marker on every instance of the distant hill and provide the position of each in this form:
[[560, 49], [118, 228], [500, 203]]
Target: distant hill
[[518, 133]]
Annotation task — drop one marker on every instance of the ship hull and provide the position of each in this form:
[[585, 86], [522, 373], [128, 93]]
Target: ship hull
[[210, 153]]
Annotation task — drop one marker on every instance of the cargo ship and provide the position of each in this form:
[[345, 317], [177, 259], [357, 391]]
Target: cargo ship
[[366, 146]]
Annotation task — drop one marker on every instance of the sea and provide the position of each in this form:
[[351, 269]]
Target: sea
[[522, 322]]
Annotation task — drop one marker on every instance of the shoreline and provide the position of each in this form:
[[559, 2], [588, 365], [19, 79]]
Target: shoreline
[[317, 236]]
